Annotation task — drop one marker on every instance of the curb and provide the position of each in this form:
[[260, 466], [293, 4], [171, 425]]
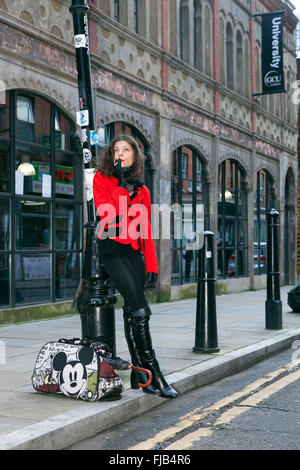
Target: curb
[[64, 430]]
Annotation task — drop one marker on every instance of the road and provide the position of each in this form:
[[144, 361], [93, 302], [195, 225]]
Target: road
[[257, 409]]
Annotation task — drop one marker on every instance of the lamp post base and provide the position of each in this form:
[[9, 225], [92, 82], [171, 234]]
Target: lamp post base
[[273, 314]]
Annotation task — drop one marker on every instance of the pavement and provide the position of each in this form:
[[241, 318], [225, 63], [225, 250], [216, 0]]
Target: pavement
[[34, 421]]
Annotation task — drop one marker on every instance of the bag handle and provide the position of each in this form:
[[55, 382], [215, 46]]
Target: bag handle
[[147, 372]]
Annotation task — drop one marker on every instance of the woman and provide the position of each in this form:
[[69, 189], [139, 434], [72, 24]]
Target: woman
[[124, 206]]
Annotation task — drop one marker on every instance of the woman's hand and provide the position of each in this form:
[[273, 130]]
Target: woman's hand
[[151, 281], [121, 173]]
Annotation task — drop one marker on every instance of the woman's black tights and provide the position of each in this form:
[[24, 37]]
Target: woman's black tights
[[128, 274]]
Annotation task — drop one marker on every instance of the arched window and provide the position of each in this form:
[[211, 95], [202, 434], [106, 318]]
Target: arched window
[[184, 31], [263, 202], [189, 215], [239, 63], [229, 57], [40, 201], [232, 221], [198, 42]]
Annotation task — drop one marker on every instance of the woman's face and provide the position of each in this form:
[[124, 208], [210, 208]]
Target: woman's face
[[124, 151]]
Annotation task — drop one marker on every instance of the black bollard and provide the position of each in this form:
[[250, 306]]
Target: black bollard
[[206, 335], [273, 305], [95, 305]]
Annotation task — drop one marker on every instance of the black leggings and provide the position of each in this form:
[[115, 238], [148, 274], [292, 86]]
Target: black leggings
[[128, 274]]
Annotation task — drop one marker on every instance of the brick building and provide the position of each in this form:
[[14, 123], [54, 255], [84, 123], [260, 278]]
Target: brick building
[[178, 75]]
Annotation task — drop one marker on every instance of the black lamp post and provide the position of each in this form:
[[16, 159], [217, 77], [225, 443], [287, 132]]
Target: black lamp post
[[273, 305], [94, 303]]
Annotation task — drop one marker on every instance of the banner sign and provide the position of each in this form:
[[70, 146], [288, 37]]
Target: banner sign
[[272, 52]]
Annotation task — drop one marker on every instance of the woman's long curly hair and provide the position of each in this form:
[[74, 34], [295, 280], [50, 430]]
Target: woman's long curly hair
[[106, 163]]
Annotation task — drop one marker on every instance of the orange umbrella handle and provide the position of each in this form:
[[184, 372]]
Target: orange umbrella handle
[[146, 372]]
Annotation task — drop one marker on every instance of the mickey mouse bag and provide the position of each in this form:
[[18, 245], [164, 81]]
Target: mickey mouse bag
[[76, 369]]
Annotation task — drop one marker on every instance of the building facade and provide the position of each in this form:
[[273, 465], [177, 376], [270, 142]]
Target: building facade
[[179, 76]]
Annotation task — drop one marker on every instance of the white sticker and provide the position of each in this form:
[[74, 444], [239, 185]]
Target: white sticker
[[84, 135], [46, 185], [89, 174], [82, 118], [208, 254], [87, 155], [80, 40]]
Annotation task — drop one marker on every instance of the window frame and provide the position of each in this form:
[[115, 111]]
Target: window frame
[[179, 279], [77, 201]]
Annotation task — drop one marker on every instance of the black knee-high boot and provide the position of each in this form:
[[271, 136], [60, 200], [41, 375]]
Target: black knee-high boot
[[143, 343], [136, 376]]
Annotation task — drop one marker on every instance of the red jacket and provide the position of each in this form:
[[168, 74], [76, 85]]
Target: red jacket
[[132, 218]]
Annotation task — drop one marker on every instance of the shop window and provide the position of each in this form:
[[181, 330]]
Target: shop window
[[189, 214], [4, 279], [263, 202], [32, 119], [33, 278], [4, 224], [4, 115], [67, 272], [42, 154], [32, 225], [232, 221]]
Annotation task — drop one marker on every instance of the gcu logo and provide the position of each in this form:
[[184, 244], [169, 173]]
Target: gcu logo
[[272, 78]]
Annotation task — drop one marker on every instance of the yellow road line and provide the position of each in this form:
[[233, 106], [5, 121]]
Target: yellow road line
[[199, 414], [225, 418]]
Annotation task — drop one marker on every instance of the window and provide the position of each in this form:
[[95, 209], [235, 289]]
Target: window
[[239, 63], [189, 214], [208, 41], [37, 191], [117, 10], [184, 31], [232, 221], [247, 69], [263, 201], [229, 56], [140, 17], [198, 42], [120, 11], [221, 50]]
